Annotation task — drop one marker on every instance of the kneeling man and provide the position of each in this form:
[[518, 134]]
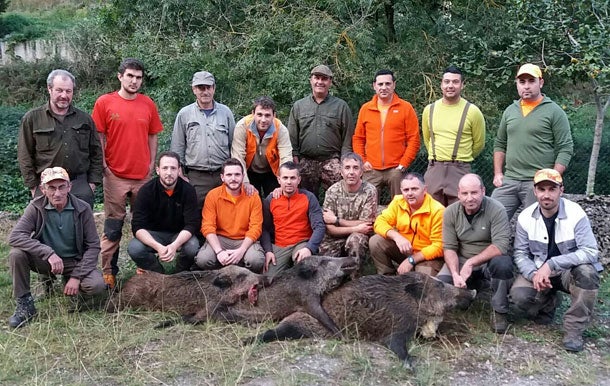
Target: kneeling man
[[409, 231], [165, 219], [55, 236], [555, 250], [475, 241], [232, 223]]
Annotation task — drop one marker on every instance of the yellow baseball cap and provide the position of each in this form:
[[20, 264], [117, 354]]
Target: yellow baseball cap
[[530, 69]]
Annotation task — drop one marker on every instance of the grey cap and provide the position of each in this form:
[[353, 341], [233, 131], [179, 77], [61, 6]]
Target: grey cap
[[322, 70], [203, 78]]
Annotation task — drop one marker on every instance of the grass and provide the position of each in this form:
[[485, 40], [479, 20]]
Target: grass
[[93, 347]]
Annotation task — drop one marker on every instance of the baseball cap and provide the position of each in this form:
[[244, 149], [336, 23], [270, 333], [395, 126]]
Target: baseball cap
[[322, 70], [530, 69], [551, 175], [56, 173], [203, 78]]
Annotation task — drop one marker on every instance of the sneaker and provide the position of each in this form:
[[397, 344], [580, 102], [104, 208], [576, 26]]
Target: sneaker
[[499, 323], [110, 280], [573, 342], [24, 312]]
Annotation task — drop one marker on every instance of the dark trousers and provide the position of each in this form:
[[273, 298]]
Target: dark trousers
[[265, 183]]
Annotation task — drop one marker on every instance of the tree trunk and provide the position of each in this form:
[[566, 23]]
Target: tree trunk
[[597, 140], [389, 17]]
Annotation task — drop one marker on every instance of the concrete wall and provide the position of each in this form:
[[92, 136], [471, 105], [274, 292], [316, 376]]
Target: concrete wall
[[32, 51]]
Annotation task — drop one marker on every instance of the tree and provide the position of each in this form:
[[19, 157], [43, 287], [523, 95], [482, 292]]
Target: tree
[[568, 39]]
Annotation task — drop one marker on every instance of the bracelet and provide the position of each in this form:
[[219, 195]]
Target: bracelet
[[221, 251], [411, 260], [337, 222]]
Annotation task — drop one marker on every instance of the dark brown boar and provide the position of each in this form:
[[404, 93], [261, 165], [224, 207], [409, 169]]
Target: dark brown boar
[[199, 293], [383, 309]]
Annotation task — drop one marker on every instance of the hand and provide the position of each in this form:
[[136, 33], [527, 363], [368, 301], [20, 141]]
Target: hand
[[498, 179], [364, 228], [250, 189], [57, 264], [466, 272], [269, 258], [404, 245], [181, 175], [92, 186], [295, 159], [33, 191], [277, 193], [235, 255], [367, 166], [168, 253], [541, 279], [72, 286], [302, 254], [458, 281], [223, 257], [405, 267], [329, 216]]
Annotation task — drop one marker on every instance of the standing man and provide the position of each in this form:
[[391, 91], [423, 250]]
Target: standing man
[[555, 250], [386, 135], [534, 134], [202, 136], [165, 219], [349, 209], [321, 129], [292, 222], [476, 239], [261, 143], [409, 231], [232, 223], [55, 236], [59, 134], [128, 123], [454, 135]]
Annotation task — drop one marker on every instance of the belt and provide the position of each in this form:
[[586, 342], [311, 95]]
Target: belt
[[432, 162]]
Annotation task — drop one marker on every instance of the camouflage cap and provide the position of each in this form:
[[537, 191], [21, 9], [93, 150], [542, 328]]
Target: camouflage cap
[[56, 173]]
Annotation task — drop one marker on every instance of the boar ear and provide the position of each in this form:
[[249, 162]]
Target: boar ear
[[414, 289], [305, 272], [223, 281]]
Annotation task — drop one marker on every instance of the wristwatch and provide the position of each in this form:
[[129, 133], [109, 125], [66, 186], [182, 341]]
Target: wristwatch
[[411, 260]]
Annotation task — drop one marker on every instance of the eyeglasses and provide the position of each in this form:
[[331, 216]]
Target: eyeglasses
[[61, 188]]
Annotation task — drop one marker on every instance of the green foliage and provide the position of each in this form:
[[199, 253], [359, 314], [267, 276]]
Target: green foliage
[[13, 195]]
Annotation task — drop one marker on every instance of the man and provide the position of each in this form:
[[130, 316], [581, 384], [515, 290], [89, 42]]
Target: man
[[321, 129], [475, 241], [202, 136], [555, 250], [59, 134], [408, 231], [454, 135], [232, 223], [349, 209], [292, 222], [534, 133], [55, 236], [128, 123], [386, 135], [261, 143], [165, 219]]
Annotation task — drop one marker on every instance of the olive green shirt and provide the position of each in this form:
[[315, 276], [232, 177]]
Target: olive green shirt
[[71, 143]]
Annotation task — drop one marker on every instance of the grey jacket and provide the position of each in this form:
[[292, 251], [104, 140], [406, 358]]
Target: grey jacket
[[28, 231], [573, 236]]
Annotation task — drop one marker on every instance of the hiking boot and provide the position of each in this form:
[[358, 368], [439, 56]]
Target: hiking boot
[[499, 323], [573, 342], [24, 312], [110, 280]]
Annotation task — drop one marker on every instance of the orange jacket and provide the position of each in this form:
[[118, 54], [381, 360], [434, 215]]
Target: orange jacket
[[272, 152], [423, 228], [395, 143], [238, 220]]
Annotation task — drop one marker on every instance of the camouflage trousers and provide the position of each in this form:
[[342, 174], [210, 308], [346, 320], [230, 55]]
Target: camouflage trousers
[[319, 173], [355, 245]]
